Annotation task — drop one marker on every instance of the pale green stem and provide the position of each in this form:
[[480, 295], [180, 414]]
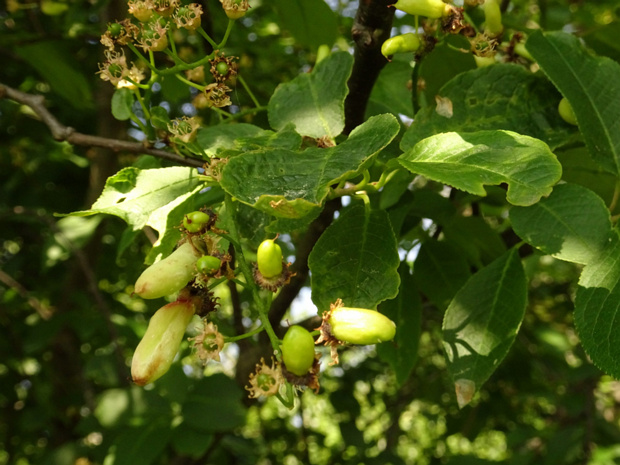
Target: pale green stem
[[248, 90], [262, 305], [226, 34], [244, 336], [203, 33], [190, 83]]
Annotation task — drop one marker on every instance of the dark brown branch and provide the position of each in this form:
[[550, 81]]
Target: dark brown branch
[[61, 132], [373, 22]]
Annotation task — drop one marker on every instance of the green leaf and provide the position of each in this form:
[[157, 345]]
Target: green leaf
[[597, 308], [148, 197], [482, 321], [392, 92], [189, 441], [502, 96], [122, 102], [140, 444], [311, 22], [159, 116], [475, 238], [440, 270], [214, 405], [290, 184], [439, 67], [406, 311], [224, 136], [56, 66], [572, 224], [469, 161], [585, 81], [579, 168], [356, 260], [314, 102]]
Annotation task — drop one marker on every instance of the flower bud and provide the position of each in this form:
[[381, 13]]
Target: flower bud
[[160, 343], [169, 275]]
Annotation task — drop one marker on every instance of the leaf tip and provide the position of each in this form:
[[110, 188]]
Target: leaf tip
[[465, 390]]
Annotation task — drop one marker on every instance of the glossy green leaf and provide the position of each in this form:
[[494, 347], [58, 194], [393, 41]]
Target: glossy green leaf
[[440, 270], [356, 260], [56, 66], [572, 224], [314, 102], [290, 184], [191, 442], [122, 103], [225, 136], [311, 22], [406, 311], [469, 161], [585, 81], [147, 197], [597, 308], [502, 96], [482, 321]]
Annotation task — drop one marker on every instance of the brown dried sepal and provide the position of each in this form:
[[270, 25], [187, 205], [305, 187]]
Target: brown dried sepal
[[231, 75], [258, 386], [310, 379], [209, 343], [275, 283], [326, 336], [454, 22]]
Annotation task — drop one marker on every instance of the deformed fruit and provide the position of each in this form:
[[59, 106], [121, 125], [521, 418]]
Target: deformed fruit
[[169, 275], [160, 343]]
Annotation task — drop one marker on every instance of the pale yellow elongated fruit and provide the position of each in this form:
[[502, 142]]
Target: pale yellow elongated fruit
[[169, 275], [360, 326], [160, 343], [403, 43], [429, 8], [492, 18]]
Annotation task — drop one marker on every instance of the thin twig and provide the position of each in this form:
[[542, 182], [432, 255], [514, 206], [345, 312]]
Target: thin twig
[[43, 310], [64, 133]]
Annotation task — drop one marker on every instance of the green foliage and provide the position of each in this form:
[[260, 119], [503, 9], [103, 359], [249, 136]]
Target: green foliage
[[486, 230]]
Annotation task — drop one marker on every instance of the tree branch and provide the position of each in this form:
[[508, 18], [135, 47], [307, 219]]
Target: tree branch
[[61, 132], [373, 22]]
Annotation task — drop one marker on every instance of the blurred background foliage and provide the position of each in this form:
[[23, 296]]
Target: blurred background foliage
[[69, 324]]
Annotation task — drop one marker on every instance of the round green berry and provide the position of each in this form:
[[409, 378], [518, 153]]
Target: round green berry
[[208, 265], [269, 258], [194, 222], [298, 350]]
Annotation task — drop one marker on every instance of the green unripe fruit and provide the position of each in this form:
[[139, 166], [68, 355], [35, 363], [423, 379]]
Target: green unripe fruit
[[194, 221], [492, 18], [360, 326], [160, 343], [169, 275], [298, 350], [566, 112], [482, 62], [208, 265], [409, 42], [429, 8], [115, 29], [222, 68], [269, 258]]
